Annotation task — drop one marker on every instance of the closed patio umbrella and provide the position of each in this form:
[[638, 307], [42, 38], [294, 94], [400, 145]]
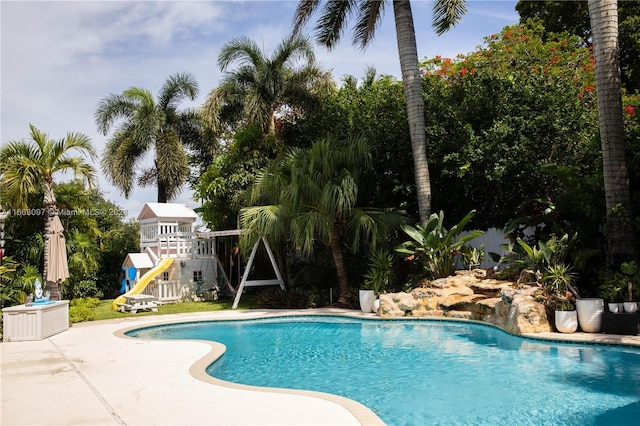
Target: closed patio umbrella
[[57, 270]]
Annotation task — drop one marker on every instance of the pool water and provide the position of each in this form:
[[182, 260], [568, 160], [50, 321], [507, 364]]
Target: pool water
[[427, 372]]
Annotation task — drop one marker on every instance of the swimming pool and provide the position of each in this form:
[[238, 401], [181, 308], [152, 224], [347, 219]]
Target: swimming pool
[[427, 372]]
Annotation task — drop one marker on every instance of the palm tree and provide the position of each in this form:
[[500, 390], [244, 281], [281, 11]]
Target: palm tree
[[28, 167], [310, 196], [369, 13], [620, 233], [262, 86], [148, 125]]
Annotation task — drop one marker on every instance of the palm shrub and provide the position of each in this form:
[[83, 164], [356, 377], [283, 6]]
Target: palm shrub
[[435, 247], [308, 199], [381, 274]]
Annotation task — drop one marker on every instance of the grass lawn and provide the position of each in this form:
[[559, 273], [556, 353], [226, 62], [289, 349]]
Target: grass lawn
[[103, 310]]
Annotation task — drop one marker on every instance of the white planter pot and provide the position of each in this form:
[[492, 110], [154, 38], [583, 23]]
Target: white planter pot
[[590, 314], [615, 307], [375, 306], [366, 300], [566, 321], [630, 306]]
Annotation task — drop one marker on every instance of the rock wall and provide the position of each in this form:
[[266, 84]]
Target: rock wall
[[472, 295]]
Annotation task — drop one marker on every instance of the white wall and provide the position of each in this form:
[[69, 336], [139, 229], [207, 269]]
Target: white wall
[[492, 239]]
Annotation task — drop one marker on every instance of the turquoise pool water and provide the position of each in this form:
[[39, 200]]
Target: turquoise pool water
[[427, 372]]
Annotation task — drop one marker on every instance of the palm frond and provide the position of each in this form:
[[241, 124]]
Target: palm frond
[[119, 160], [303, 13], [447, 13], [27, 165], [369, 17], [177, 88], [292, 49], [241, 49], [172, 163], [332, 21], [112, 108]]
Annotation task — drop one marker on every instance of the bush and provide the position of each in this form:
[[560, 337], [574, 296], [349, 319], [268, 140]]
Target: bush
[[89, 302], [84, 289], [81, 314], [293, 298], [81, 310]]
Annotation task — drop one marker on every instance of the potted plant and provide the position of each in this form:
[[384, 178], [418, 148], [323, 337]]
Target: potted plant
[[557, 279], [380, 275], [566, 317], [613, 290]]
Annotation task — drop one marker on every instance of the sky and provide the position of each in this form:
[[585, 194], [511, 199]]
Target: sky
[[59, 59]]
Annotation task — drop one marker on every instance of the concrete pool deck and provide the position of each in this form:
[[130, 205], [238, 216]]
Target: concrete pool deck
[[91, 375]]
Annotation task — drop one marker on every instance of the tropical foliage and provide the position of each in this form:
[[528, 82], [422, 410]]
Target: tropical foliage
[[222, 188], [16, 281], [310, 196], [150, 125], [381, 274], [434, 247], [561, 17], [333, 19], [261, 87], [372, 108], [546, 264], [28, 167], [277, 149], [96, 237], [500, 113]]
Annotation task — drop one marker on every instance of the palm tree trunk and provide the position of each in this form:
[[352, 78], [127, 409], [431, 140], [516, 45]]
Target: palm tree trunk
[[162, 191], [338, 260], [408, 51], [271, 124], [620, 233]]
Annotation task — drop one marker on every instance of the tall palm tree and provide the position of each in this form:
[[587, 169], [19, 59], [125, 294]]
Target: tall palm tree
[[310, 196], [368, 15], [261, 86], [620, 233], [29, 166], [149, 125]]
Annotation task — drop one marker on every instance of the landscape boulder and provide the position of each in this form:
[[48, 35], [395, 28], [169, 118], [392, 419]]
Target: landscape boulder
[[472, 295]]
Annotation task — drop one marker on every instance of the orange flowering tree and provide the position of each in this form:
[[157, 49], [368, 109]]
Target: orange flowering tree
[[496, 116]]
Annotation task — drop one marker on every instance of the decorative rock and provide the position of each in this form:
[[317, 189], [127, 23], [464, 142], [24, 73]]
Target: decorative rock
[[470, 295]]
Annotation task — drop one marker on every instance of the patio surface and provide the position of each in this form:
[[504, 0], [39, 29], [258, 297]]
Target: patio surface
[[92, 375]]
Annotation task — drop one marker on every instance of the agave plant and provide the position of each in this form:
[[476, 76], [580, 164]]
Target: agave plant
[[434, 246]]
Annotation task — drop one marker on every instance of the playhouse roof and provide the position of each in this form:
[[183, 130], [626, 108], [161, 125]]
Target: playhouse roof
[[138, 261], [167, 210]]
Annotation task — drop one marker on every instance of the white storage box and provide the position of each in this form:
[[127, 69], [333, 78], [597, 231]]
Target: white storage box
[[35, 322]]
